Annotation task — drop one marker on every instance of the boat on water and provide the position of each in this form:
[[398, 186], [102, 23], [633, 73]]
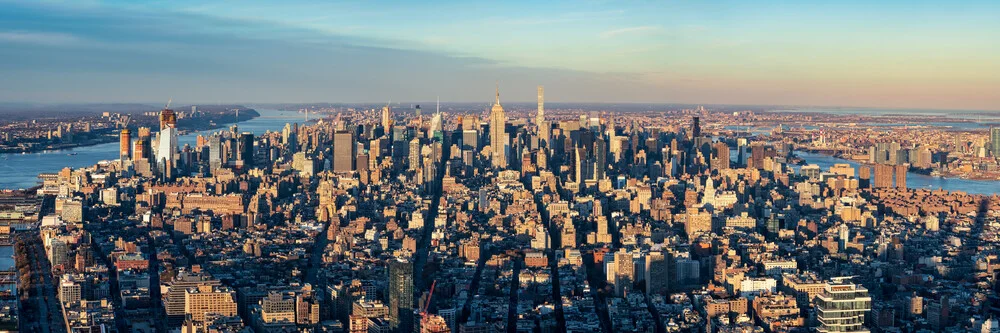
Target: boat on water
[[72, 154]]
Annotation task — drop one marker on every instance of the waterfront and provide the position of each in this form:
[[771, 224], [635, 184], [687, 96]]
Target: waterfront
[[21, 170], [913, 180]]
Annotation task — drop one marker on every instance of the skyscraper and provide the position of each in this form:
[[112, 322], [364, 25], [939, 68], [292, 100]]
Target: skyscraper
[[386, 118], [540, 119], [167, 142], [167, 118], [657, 272], [246, 150], [214, 153], [125, 144], [401, 293], [841, 307], [343, 151], [695, 127], [995, 141], [720, 161], [498, 124]]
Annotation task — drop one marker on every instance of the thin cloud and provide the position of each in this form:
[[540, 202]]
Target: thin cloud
[[630, 30], [38, 38]]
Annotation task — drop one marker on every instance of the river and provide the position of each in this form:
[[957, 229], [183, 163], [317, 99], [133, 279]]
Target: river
[[913, 180], [18, 171]]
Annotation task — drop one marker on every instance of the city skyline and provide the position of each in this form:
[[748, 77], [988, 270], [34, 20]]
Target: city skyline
[[887, 55]]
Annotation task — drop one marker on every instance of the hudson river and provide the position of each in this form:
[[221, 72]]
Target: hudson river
[[21, 170]]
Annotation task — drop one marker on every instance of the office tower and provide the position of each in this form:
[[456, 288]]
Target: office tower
[[245, 151], [437, 127], [695, 127], [657, 273], [995, 141], [901, 176], [386, 118], [343, 151], [209, 299], [841, 307], [418, 113], [470, 140], [540, 118], [498, 127], [125, 144], [167, 143], [401, 293], [214, 153], [600, 158], [883, 176]]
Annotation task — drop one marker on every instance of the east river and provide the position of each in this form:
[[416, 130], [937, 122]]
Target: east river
[[18, 171], [913, 180]]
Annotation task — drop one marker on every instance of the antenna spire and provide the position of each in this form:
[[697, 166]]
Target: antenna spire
[[498, 92]]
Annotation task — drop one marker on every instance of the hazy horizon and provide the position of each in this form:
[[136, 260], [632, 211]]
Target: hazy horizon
[[931, 55]]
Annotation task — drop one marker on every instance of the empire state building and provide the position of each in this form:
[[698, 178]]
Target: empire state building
[[498, 136]]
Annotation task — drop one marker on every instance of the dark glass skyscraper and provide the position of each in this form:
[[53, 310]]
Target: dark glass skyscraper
[[401, 294]]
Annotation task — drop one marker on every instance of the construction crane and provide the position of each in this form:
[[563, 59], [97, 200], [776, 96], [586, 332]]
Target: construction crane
[[423, 312]]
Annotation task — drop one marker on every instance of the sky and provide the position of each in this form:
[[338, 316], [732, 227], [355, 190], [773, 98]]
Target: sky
[[909, 54]]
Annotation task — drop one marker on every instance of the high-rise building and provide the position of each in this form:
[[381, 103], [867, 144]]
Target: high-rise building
[[165, 147], [470, 140], [695, 127], [214, 153], [995, 141], [386, 118], [757, 152], [883, 176], [657, 272], [901, 176], [864, 176], [540, 118], [343, 151], [842, 307], [125, 144], [143, 144], [720, 159], [175, 300], [401, 293], [414, 155], [167, 118], [498, 137], [206, 299], [245, 151], [167, 143]]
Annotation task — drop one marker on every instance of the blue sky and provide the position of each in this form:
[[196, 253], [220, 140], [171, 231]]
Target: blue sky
[[848, 53]]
